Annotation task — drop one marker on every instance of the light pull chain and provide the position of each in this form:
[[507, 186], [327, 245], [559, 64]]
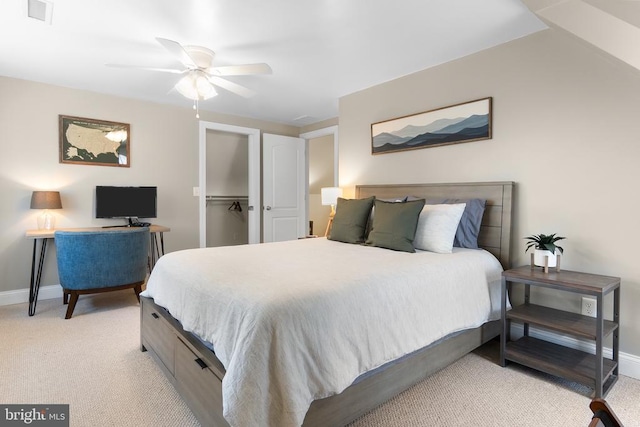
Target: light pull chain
[[197, 108]]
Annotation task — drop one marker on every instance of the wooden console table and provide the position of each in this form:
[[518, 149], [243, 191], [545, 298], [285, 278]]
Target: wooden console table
[[156, 250]]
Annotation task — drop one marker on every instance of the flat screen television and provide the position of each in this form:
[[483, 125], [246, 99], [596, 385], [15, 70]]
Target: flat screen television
[[126, 202]]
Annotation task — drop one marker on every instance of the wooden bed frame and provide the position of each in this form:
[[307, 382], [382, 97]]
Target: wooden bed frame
[[197, 373]]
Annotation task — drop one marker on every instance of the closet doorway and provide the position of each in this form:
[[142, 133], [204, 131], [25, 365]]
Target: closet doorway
[[229, 183]]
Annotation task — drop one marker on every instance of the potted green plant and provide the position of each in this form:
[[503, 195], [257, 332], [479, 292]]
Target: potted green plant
[[544, 246]]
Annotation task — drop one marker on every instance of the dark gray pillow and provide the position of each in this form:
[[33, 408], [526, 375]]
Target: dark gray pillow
[[401, 199], [350, 222], [469, 226], [394, 225]]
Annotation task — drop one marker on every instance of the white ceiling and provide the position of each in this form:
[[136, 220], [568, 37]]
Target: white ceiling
[[319, 50]]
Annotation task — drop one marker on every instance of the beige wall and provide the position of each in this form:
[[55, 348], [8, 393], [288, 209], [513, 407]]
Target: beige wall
[[321, 158], [164, 152], [565, 129], [320, 163]]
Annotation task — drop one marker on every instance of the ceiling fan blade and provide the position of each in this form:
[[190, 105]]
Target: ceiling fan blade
[[231, 87], [178, 51], [137, 67], [242, 70]]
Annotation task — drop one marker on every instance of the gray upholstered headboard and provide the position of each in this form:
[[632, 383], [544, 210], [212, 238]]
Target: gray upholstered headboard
[[495, 232]]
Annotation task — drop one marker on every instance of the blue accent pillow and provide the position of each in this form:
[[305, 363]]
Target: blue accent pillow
[[469, 226]]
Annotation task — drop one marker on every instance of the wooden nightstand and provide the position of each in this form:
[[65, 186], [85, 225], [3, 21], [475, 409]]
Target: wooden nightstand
[[595, 371]]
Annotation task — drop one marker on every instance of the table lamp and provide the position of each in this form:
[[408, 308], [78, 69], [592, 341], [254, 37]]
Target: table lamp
[[330, 198], [46, 200]]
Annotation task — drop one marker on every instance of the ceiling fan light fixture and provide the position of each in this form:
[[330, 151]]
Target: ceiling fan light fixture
[[186, 87], [196, 86], [200, 78], [200, 55], [205, 88]]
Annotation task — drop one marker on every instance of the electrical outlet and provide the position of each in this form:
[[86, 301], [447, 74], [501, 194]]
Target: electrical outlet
[[589, 306]]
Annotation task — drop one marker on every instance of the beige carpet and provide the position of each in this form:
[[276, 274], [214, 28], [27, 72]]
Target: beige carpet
[[93, 362]]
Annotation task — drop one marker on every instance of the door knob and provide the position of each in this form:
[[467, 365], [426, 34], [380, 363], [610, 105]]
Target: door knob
[[268, 208]]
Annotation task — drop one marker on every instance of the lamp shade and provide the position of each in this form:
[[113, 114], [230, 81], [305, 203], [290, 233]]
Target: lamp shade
[[46, 200], [330, 195]]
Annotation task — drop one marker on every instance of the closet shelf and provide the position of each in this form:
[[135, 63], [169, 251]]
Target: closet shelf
[[226, 198]]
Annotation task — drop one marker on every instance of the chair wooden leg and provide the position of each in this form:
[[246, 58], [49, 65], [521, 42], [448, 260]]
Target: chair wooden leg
[[603, 414], [65, 297], [72, 305]]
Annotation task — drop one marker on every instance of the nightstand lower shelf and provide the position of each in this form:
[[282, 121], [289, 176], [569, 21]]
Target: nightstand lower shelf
[[554, 359]]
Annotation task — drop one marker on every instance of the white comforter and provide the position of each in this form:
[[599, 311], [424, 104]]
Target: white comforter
[[300, 320]]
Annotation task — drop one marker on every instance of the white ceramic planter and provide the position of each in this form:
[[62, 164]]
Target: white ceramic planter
[[538, 257]]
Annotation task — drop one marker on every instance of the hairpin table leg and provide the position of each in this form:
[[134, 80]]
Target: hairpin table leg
[[36, 276]]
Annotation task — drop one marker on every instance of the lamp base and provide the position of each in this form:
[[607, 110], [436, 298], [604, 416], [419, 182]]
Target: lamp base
[[326, 232], [331, 215], [46, 221]]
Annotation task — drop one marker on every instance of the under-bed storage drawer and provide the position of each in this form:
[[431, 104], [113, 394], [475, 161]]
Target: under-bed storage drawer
[[199, 386], [158, 335]]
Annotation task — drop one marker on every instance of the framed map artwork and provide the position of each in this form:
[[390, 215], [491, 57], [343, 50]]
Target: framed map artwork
[[94, 142]]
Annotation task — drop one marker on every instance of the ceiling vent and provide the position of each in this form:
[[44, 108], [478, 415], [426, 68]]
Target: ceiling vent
[[304, 119], [41, 10]]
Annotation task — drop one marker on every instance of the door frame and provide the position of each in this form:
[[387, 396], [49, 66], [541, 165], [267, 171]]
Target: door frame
[[331, 130], [253, 212]]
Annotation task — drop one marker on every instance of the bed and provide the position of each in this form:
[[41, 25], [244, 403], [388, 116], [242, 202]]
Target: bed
[[189, 361]]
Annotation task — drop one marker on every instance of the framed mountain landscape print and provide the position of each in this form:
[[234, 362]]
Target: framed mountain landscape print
[[466, 122], [94, 142]]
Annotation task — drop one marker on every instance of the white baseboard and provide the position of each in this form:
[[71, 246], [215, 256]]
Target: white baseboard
[[629, 363], [22, 295]]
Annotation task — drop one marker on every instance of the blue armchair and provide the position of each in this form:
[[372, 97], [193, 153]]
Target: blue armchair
[[91, 262]]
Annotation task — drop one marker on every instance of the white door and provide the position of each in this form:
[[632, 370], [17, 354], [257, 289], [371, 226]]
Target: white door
[[283, 187]]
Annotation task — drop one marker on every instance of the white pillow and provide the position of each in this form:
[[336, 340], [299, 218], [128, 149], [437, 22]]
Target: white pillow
[[437, 227]]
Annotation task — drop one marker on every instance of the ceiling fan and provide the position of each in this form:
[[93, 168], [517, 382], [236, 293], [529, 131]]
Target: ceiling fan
[[200, 76]]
